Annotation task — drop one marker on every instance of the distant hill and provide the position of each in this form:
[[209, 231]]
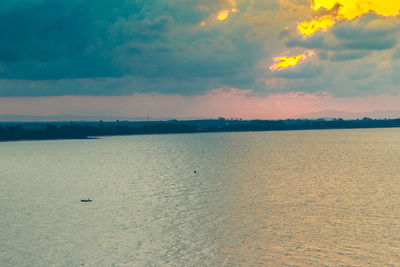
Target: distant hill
[[378, 114]]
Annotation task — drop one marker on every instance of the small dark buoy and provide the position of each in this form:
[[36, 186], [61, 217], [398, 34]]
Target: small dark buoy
[[195, 171]]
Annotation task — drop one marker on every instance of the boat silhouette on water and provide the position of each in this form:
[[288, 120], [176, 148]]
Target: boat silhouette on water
[[86, 200]]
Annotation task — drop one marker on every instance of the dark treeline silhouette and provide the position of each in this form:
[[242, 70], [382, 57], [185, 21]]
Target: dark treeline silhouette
[[82, 130]]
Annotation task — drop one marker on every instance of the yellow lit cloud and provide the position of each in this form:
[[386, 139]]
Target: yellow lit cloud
[[223, 15], [220, 10], [286, 62], [310, 27], [347, 10]]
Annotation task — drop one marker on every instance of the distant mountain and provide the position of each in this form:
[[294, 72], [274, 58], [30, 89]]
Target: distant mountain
[[328, 114]]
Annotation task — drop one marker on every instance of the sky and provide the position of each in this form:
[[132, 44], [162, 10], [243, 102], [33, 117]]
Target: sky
[[265, 59]]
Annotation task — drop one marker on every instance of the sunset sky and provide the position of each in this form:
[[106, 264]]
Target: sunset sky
[[266, 59]]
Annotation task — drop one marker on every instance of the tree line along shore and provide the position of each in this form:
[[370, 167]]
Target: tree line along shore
[[12, 131]]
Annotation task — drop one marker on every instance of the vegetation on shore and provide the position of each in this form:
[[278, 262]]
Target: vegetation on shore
[[81, 130]]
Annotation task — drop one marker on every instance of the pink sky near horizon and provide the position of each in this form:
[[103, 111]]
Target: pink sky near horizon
[[228, 103]]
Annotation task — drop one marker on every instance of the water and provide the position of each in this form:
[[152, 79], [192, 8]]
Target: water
[[299, 198]]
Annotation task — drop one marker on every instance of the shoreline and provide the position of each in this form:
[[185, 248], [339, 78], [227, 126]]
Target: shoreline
[[97, 137]]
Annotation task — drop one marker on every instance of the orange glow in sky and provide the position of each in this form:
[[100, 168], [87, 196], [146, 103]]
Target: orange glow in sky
[[347, 10]]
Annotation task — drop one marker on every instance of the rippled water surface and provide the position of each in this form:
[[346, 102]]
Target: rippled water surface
[[299, 198]]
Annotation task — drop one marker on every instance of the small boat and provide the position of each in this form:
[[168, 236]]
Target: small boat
[[86, 200]]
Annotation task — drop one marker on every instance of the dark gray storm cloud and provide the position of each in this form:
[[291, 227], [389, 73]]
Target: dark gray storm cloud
[[316, 41], [346, 56], [151, 43], [121, 47], [362, 38]]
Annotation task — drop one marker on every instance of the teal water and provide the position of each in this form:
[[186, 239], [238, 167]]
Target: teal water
[[298, 198]]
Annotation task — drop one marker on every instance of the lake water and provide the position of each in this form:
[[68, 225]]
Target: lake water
[[298, 198]]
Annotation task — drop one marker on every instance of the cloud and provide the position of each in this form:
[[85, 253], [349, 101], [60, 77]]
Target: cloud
[[370, 44], [316, 41], [88, 47], [153, 44], [361, 31], [396, 54], [287, 62], [351, 36], [57, 39], [346, 10], [305, 71], [346, 56], [362, 37]]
